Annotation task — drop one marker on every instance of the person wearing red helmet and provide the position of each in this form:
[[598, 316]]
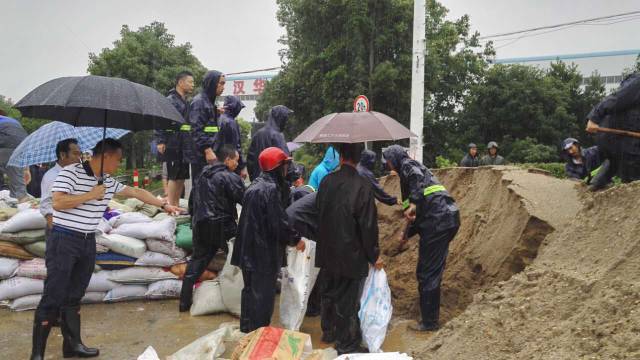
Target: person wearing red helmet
[[263, 233]]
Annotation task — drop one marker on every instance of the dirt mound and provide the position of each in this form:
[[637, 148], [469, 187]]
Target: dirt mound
[[503, 225], [579, 298]]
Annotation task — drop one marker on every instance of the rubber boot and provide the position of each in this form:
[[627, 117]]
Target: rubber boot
[[72, 345], [186, 294], [430, 309], [40, 335]]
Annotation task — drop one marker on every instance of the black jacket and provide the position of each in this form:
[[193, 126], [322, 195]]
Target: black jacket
[[303, 216], [228, 128], [179, 144], [347, 224], [435, 212], [203, 118], [470, 161], [216, 196], [590, 161], [365, 169], [269, 136], [300, 192], [263, 231]]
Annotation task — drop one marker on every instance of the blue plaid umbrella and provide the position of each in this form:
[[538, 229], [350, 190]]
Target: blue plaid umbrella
[[40, 146]]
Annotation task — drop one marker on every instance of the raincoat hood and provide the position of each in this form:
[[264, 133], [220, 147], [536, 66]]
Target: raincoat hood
[[233, 106], [331, 159], [278, 117], [395, 154], [368, 159], [210, 84]]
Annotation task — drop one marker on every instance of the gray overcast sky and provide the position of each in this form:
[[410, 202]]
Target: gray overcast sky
[[47, 39]]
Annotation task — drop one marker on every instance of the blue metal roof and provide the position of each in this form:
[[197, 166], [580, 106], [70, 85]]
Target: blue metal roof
[[567, 56]]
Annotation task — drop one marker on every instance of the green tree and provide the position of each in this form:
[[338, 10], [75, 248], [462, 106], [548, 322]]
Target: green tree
[[336, 50], [148, 56]]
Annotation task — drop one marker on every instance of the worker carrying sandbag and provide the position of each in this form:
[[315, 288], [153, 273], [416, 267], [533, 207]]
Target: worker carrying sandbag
[[214, 219], [263, 233], [435, 216]]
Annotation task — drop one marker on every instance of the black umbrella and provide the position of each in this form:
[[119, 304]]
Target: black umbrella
[[100, 101]]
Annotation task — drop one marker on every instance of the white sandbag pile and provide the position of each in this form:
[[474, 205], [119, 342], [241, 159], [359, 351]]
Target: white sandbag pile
[[140, 252]]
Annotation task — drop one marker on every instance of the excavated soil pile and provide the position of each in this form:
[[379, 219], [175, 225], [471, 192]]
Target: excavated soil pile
[[579, 298], [506, 213]]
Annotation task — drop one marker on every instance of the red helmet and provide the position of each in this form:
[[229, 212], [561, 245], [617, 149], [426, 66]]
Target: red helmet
[[270, 158]]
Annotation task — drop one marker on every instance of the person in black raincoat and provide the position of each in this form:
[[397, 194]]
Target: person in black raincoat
[[436, 218], [296, 178], [347, 247], [215, 216], [365, 169], [471, 159], [175, 145], [229, 130], [269, 136], [582, 164], [492, 157], [620, 110], [263, 233], [203, 119]]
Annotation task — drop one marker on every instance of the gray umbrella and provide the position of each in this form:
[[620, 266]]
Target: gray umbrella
[[354, 127], [102, 102]]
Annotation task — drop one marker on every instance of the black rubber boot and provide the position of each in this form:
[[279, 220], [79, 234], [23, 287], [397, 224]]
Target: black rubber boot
[[39, 342], [430, 309], [186, 294], [72, 345]]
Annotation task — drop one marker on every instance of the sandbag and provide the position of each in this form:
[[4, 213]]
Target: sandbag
[[134, 204], [8, 267], [37, 248], [100, 282], [179, 270], [298, 279], [149, 354], [150, 258], [17, 287], [140, 275], [35, 269], [184, 237], [101, 249], [275, 343], [161, 230], [7, 212], [167, 248], [28, 219], [149, 210], [207, 299], [180, 219], [210, 346], [93, 297], [376, 356], [375, 309], [125, 293], [29, 302], [118, 206], [113, 261], [103, 227], [15, 251], [129, 218], [231, 284], [24, 237], [164, 289], [122, 244]]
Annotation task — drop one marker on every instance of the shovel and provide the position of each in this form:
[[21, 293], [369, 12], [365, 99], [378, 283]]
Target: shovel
[[393, 251], [619, 132]]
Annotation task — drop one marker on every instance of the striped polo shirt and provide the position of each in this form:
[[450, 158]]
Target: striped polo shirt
[[84, 218]]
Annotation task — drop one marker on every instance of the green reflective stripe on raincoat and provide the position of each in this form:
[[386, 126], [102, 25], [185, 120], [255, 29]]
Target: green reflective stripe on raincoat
[[405, 204], [433, 189], [211, 129], [185, 127], [593, 174]]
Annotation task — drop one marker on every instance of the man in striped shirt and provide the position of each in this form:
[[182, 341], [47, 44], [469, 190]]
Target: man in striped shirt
[[79, 201]]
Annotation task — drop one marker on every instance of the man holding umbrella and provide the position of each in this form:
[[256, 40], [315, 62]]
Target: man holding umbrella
[[79, 200]]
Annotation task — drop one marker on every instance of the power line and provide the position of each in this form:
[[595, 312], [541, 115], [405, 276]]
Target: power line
[[253, 71], [567, 24]]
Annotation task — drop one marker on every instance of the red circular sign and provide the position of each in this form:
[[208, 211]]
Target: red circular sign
[[361, 104]]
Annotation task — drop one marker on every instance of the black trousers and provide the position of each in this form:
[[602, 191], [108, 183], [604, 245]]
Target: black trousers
[[432, 258], [208, 237], [340, 305], [70, 259], [258, 299]]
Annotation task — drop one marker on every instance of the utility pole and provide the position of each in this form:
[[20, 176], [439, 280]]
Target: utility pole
[[417, 78]]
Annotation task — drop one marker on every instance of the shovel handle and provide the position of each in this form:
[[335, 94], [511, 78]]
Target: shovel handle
[[619, 132]]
